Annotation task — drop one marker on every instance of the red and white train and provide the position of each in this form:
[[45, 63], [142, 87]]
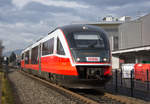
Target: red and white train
[[74, 56]]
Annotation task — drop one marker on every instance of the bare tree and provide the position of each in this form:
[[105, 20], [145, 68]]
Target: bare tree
[[1, 48], [1, 51]]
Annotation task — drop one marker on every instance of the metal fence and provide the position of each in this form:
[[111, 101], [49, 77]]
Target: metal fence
[[135, 84]]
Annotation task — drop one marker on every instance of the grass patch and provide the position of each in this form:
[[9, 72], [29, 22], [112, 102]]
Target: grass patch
[[7, 95]]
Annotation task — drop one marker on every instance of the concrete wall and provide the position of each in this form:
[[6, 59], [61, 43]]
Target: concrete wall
[[146, 30], [130, 35], [111, 30], [135, 33]]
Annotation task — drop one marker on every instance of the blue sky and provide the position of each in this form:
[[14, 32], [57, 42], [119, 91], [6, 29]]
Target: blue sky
[[22, 22]]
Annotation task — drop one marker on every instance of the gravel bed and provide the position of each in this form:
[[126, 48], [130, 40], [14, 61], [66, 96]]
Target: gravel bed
[[31, 91]]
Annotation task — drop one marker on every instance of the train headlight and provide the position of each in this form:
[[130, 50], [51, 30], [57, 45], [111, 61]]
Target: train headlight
[[104, 59], [78, 59], [85, 28]]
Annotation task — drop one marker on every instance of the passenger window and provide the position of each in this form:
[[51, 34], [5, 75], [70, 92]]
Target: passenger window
[[60, 49], [48, 47], [34, 55], [27, 57]]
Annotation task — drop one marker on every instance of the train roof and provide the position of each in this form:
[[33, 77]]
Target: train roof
[[77, 27], [67, 29]]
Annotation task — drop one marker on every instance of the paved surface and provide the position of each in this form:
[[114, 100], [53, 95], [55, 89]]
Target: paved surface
[[31, 91]]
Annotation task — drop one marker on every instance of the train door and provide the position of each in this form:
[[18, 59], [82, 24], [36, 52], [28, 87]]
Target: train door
[[61, 53], [39, 54]]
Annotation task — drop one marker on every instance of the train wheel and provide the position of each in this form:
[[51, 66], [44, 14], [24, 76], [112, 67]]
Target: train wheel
[[59, 82], [55, 79], [52, 78]]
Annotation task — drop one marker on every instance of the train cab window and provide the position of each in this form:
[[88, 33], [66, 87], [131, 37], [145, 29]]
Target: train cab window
[[27, 57], [34, 55], [60, 49], [48, 47], [86, 40]]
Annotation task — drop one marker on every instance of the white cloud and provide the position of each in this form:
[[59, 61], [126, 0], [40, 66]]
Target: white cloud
[[67, 4], [66, 18], [20, 35], [21, 3], [113, 8], [21, 26]]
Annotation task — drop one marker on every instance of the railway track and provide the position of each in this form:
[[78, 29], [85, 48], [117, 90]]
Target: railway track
[[77, 97], [106, 98], [90, 96], [98, 96], [84, 96]]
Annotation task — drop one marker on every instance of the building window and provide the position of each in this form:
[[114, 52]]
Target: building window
[[115, 43], [34, 55], [60, 49], [48, 47], [27, 57]]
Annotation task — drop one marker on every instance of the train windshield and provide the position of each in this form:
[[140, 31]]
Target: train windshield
[[88, 44], [83, 40], [85, 43]]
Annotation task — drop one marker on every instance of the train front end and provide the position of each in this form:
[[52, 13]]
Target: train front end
[[90, 52]]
